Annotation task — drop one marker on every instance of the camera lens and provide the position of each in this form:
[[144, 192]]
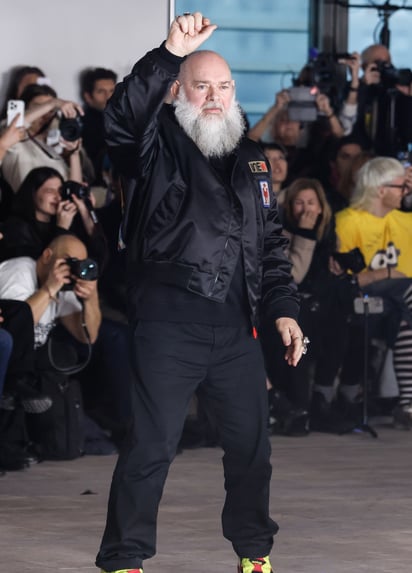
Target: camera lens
[[71, 128]]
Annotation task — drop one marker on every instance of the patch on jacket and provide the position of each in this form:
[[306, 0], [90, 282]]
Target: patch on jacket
[[258, 166], [265, 192]]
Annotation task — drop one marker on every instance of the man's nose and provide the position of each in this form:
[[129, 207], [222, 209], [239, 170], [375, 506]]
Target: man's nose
[[213, 93]]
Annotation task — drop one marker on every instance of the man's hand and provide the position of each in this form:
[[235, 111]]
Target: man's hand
[[85, 290], [187, 33], [58, 275], [292, 338]]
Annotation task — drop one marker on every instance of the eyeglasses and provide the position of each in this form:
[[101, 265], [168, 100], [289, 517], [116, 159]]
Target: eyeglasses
[[404, 186]]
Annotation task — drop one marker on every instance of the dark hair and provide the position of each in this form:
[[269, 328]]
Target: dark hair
[[351, 139], [23, 203], [16, 75], [90, 76], [274, 147], [34, 90]]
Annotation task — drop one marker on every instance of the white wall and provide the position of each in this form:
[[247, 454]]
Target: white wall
[[63, 37]]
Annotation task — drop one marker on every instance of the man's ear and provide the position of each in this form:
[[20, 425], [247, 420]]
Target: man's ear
[[46, 255], [174, 89], [87, 98]]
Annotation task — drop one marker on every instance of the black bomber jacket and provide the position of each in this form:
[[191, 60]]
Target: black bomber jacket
[[180, 224]]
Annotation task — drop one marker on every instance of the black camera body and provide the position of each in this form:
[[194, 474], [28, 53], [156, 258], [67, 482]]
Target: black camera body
[[391, 76], [71, 128], [70, 188], [85, 269], [351, 261]]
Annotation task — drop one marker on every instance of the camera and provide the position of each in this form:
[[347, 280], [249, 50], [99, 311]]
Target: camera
[[351, 261], [70, 188], [71, 128], [391, 76], [85, 269]]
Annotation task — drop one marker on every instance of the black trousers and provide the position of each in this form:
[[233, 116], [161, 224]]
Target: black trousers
[[171, 360]]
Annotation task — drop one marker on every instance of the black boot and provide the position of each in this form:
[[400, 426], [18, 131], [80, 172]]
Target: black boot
[[325, 417], [284, 419]]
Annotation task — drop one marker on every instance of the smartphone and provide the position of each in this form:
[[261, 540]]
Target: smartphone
[[14, 107]]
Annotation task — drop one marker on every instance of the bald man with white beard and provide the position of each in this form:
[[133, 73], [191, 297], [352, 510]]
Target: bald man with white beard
[[206, 266]]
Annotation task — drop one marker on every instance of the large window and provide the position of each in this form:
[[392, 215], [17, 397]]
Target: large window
[[264, 41], [365, 26]]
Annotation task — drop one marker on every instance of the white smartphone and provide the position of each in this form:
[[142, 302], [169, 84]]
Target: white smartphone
[[14, 107]]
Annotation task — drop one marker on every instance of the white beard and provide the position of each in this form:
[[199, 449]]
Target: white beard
[[215, 135]]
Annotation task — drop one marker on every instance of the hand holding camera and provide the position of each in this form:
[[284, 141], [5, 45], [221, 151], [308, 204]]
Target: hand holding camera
[[83, 276], [83, 200]]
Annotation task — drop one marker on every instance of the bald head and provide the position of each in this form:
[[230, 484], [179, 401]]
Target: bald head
[[375, 53], [66, 246], [200, 65]]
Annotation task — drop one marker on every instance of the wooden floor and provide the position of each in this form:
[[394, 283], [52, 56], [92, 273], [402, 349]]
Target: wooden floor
[[343, 503]]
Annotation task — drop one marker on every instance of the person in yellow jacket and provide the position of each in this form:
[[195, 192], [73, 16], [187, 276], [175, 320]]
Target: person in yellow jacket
[[375, 224]]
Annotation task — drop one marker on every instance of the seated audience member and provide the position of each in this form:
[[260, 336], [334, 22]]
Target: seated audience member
[[382, 232], [277, 157], [97, 86], [20, 78], [39, 213], [325, 304], [36, 150], [52, 293], [40, 283]]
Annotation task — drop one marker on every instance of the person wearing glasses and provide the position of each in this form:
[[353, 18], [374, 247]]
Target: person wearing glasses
[[377, 223]]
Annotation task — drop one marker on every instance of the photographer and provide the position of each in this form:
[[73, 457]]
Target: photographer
[[40, 283], [39, 213], [382, 232], [303, 140], [39, 149]]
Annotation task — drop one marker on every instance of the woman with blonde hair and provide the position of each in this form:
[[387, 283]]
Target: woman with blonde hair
[[376, 224]]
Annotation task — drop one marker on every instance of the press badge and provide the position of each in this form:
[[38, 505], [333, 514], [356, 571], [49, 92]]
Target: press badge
[[265, 192]]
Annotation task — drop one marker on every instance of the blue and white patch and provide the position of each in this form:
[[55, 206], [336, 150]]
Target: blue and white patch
[[265, 192]]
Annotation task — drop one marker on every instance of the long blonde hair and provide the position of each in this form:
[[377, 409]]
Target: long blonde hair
[[294, 189]]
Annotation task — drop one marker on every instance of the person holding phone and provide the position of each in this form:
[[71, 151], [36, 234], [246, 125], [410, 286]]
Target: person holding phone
[[42, 104]]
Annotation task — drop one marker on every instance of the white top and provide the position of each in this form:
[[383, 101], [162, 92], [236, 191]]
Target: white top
[[18, 281]]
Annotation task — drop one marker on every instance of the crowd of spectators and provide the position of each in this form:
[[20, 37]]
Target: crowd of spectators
[[339, 188]]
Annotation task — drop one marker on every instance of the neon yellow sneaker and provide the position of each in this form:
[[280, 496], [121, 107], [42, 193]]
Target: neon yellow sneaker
[[257, 565], [123, 571]]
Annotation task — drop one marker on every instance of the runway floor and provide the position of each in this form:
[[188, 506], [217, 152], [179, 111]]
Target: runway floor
[[343, 503]]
